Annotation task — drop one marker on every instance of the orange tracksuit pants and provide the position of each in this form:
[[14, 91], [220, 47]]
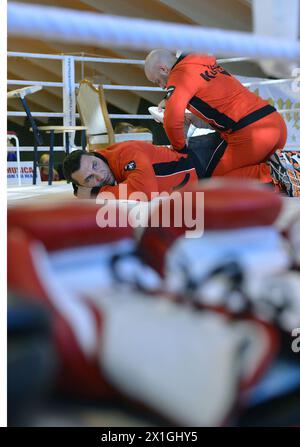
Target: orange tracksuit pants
[[248, 148]]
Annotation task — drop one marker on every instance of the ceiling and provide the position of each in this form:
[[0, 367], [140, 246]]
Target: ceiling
[[232, 14]]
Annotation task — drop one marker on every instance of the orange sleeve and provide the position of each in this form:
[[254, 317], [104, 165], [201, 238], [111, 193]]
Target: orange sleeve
[[138, 175], [181, 88]]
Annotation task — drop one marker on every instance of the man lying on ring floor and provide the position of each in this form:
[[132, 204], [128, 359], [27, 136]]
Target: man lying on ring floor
[[144, 167]]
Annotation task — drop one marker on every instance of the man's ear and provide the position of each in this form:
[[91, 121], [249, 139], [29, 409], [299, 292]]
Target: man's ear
[[163, 70]]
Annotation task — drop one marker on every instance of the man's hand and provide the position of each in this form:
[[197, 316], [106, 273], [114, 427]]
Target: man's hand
[[190, 118], [84, 193], [161, 105]]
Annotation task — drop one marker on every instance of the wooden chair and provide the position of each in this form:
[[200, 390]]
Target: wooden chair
[[94, 116]]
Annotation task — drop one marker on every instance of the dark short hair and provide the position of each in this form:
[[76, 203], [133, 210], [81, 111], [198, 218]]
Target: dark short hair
[[72, 163]]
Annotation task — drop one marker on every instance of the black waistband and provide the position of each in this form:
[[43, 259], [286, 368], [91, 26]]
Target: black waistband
[[252, 117]]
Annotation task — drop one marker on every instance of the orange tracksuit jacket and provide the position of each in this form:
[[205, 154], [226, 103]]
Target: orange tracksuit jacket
[[141, 166], [251, 128]]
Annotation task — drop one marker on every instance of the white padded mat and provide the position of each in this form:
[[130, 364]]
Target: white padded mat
[[16, 195]]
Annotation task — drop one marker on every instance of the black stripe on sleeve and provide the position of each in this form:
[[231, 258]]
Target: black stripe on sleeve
[[173, 167], [221, 121]]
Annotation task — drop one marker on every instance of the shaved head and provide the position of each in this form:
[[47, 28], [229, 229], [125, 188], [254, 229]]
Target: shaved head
[[158, 65]]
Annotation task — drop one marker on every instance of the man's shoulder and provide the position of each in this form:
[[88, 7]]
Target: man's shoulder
[[129, 144], [187, 64], [121, 151]]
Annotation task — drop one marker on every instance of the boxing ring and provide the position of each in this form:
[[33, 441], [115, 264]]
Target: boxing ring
[[68, 85], [113, 31], [68, 261]]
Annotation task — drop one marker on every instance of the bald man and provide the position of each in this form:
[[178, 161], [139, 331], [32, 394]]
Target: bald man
[[249, 129]]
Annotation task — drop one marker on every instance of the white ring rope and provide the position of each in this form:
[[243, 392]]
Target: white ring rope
[[134, 87], [108, 60], [114, 115], [119, 32], [104, 86]]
